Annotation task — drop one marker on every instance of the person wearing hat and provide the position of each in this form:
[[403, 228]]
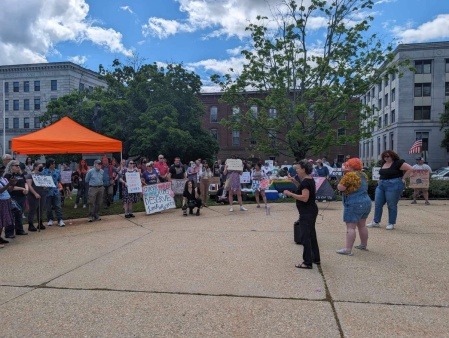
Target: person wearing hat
[[94, 179], [420, 165], [150, 175]]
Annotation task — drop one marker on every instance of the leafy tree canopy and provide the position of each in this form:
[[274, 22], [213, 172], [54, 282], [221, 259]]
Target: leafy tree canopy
[[150, 109], [313, 85]]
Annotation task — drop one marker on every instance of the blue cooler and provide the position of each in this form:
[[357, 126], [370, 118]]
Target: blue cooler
[[272, 195]]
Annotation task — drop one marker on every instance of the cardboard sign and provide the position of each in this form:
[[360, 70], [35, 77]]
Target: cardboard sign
[[158, 197], [43, 181], [234, 164], [133, 182], [376, 176], [66, 176], [419, 179], [177, 186], [245, 177]]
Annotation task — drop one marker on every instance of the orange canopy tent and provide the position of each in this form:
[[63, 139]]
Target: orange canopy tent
[[65, 137]]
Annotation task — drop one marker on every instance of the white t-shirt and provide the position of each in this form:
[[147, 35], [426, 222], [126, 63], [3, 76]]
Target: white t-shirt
[[422, 167]]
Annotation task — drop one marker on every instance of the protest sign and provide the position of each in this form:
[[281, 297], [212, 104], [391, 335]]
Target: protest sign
[[158, 197], [177, 186], [245, 177], [376, 175], [419, 179], [133, 182], [43, 181], [234, 164], [66, 176]]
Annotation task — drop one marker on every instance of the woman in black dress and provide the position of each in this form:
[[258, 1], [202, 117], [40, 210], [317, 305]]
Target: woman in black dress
[[191, 198], [308, 212]]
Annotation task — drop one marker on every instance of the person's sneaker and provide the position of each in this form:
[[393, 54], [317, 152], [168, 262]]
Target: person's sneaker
[[31, 228], [242, 208], [373, 225], [61, 223], [390, 227], [344, 251], [50, 223], [361, 247], [413, 202], [427, 203], [231, 209], [75, 206]]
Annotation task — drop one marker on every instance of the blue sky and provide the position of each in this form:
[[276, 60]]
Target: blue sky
[[205, 35]]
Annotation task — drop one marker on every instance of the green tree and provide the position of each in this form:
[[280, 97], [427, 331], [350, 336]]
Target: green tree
[[150, 109], [312, 85], [444, 120]]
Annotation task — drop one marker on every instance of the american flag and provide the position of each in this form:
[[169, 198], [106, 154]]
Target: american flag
[[416, 147]]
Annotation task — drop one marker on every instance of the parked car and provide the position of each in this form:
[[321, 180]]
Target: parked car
[[442, 174], [439, 170]]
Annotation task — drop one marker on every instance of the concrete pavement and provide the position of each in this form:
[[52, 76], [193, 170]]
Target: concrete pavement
[[227, 274]]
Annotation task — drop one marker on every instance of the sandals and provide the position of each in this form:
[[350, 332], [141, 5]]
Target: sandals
[[303, 266], [361, 247]]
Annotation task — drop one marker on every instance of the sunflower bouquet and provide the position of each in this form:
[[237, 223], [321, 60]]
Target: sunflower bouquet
[[352, 181]]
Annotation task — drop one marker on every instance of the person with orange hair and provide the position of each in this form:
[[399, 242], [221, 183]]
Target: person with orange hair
[[356, 203]]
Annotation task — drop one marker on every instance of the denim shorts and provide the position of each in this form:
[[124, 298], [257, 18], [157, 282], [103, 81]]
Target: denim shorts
[[354, 211]]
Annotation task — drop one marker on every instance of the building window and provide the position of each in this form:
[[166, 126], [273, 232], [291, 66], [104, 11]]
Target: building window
[[37, 103], [391, 141], [379, 104], [37, 123], [26, 104], [386, 100], [341, 132], [15, 104], [386, 81], [372, 92], [26, 86], [386, 119], [368, 96], [446, 89], [272, 136], [423, 66], [254, 112], [6, 123], [37, 86], [424, 136], [81, 87], [393, 95], [272, 113], [378, 146], [26, 122], [6, 87], [214, 133], [379, 122], [15, 123], [6, 105], [15, 86], [422, 113], [393, 116], [54, 85], [91, 89], [447, 65], [379, 87], [385, 142], [235, 138], [213, 114], [393, 77], [422, 89]]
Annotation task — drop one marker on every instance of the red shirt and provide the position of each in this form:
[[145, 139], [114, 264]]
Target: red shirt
[[162, 167]]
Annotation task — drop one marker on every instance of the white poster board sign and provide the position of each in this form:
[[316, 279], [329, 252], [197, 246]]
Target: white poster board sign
[[66, 176], [245, 177], [158, 197], [419, 179], [234, 164], [376, 176], [177, 186], [269, 164], [43, 181], [133, 182]]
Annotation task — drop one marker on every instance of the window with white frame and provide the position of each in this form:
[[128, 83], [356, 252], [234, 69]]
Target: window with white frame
[[272, 113], [15, 123], [37, 123], [235, 138], [236, 113], [26, 122], [254, 112], [213, 114]]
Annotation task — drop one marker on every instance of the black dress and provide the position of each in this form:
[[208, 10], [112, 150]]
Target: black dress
[[192, 201]]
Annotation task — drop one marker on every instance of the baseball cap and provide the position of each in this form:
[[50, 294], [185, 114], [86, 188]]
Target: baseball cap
[[97, 162]]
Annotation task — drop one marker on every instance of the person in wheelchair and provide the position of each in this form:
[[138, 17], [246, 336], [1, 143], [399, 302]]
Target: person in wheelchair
[[191, 198]]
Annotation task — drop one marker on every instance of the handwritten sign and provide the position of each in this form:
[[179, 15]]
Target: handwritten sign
[[66, 176], [43, 181], [245, 177], [419, 179], [158, 197], [133, 181], [177, 186], [376, 176], [234, 164]]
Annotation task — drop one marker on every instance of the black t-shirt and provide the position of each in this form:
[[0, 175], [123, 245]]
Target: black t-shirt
[[191, 196], [393, 172], [20, 183], [177, 172], [310, 206]]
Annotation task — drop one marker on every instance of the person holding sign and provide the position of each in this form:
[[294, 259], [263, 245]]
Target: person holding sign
[[36, 198], [128, 197], [420, 165], [53, 194], [94, 178], [260, 183], [232, 184], [393, 173], [191, 198]]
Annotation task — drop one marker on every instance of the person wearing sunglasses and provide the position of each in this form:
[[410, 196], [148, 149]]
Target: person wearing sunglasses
[[128, 198], [389, 189]]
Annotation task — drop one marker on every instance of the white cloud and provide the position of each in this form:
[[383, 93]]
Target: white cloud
[[162, 28], [220, 66], [31, 30], [436, 29], [78, 59], [127, 9]]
